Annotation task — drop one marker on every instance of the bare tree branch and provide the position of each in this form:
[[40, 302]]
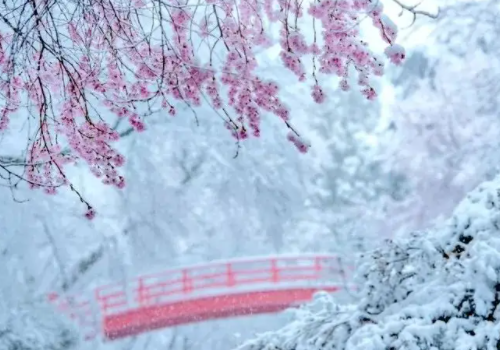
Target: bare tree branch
[[413, 9]]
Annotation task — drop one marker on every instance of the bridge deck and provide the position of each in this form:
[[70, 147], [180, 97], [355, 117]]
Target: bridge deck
[[150, 318], [202, 292]]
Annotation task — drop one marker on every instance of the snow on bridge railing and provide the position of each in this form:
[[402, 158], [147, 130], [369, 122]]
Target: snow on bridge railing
[[80, 309], [190, 282], [199, 280]]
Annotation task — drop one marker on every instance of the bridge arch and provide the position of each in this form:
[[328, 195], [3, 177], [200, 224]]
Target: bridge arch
[[202, 292]]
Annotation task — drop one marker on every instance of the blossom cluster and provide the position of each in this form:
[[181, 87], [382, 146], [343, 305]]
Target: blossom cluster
[[70, 65]]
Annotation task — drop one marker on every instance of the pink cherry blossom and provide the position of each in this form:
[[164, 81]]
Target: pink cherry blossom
[[90, 213], [317, 94], [69, 67], [396, 53]]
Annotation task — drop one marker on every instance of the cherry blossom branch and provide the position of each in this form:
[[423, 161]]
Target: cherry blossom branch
[[65, 63]]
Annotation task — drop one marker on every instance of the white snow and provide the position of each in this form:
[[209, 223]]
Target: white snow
[[36, 327], [436, 289]]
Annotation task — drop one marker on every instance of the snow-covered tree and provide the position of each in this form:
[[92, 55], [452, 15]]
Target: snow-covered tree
[[35, 326], [349, 181], [433, 289], [189, 194], [443, 126]]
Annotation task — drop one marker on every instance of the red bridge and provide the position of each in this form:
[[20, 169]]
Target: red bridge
[[202, 292]]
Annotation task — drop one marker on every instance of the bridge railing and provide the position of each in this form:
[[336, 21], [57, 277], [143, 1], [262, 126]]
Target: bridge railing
[[212, 278], [216, 278], [80, 309]]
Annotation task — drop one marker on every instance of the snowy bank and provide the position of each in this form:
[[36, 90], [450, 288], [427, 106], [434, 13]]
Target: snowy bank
[[436, 289]]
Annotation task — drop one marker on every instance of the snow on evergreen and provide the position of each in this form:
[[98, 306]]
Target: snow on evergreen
[[36, 327], [436, 289]]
